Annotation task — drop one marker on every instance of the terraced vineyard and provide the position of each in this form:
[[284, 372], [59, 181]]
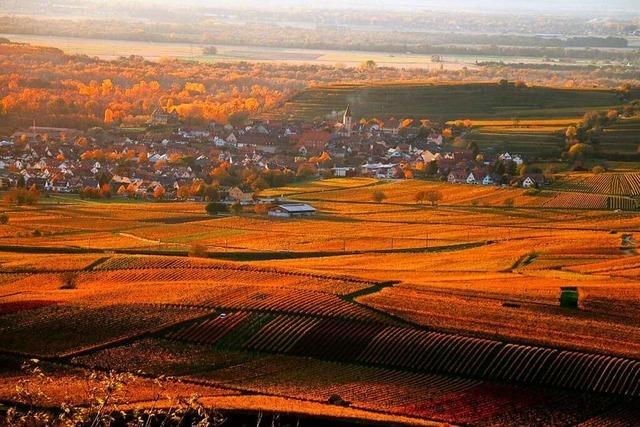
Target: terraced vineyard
[[621, 138], [58, 329], [374, 343], [617, 184], [445, 101], [591, 201]]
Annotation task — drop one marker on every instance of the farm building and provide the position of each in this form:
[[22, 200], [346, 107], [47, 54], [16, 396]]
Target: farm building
[[292, 210], [569, 297]]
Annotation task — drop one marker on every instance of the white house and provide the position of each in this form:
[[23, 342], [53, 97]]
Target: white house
[[428, 156], [291, 210], [476, 177], [488, 180], [529, 182], [232, 139], [435, 139], [342, 171], [379, 170]]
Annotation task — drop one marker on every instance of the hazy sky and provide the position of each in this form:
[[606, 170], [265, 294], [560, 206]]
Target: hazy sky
[[579, 6]]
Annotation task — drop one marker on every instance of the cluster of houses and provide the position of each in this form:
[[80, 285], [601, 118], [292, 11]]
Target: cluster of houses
[[136, 164]]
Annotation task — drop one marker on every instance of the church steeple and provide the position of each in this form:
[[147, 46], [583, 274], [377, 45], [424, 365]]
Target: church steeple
[[347, 121]]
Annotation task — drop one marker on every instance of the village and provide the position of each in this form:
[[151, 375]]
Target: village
[[231, 164]]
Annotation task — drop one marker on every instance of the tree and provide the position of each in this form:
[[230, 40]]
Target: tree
[[420, 197], [434, 197], [236, 208], [579, 151], [262, 209], [432, 168], [21, 196], [238, 119], [183, 192], [4, 218], [509, 203], [210, 50], [196, 250], [105, 190], [211, 193], [158, 192], [378, 196], [69, 280], [368, 65], [108, 116], [522, 169], [598, 169], [215, 208]]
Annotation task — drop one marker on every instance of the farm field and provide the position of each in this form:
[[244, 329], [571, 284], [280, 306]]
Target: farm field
[[394, 311], [113, 49]]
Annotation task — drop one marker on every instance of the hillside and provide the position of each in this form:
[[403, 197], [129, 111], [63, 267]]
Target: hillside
[[446, 101]]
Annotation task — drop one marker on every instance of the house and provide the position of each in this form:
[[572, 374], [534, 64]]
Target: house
[[391, 126], [343, 171], [292, 210], [488, 180], [241, 194], [428, 156], [532, 181], [314, 140], [161, 116], [457, 176], [379, 170], [476, 176]]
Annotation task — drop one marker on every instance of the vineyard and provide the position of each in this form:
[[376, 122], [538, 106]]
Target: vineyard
[[373, 343], [444, 101], [616, 184], [536, 318], [394, 310], [591, 201], [58, 329]]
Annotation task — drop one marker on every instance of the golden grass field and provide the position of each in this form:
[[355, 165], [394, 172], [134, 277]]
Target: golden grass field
[[448, 268]]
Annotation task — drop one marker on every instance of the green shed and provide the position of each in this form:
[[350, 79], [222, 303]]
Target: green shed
[[569, 297]]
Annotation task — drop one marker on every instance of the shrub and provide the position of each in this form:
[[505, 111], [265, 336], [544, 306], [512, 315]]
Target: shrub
[[198, 251], [69, 280], [215, 208], [434, 196], [236, 208], [22, 196], [262, 209], [378, 196]]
